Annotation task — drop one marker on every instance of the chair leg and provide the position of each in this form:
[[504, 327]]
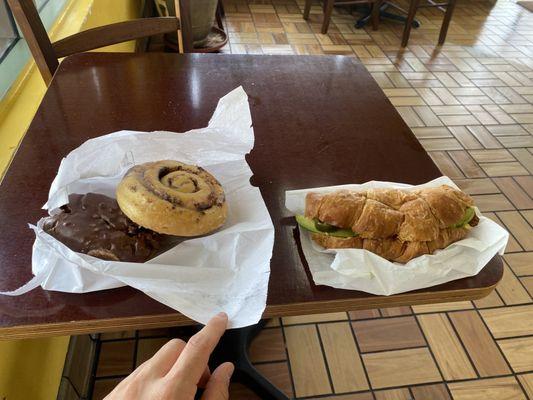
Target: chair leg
[[375, 14], [446, 22], [327, 14], [218, 14], [413, 6], [307, 8]]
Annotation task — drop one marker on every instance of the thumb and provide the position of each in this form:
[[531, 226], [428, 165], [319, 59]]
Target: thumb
[[218, 385]]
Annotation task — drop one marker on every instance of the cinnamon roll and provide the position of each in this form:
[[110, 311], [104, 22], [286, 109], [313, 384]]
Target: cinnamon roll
[[173, 198]]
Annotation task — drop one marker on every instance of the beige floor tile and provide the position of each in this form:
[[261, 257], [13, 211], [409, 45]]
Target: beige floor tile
[[363, 314], [519, 353], [354, 396], [497, 155], [479, 344], [516, 141], [344, 362], [514, 192], [506, 130], [511, 290], [388, 334], [509, 321], [440, 144], [465, 137], [393, 394], [527, 383], [520, 263], [311, 318], [307, 363], [278, 374], [477, 186], [525, 158], [519, 227], [506, 388], [451, 120], [396, 311], [432, 132], [430, 392], [467, 164], [445, 345], [268, 345], [438, 307], [238, 391], [401, 367], [512, 244], [511, 168], [446, 165], [410, 116], [484, 136], [492, 202], [116, 358], [525, 182], [492, 300], [407, 101]]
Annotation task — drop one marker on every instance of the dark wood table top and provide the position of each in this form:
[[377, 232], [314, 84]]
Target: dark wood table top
[[318, 121]]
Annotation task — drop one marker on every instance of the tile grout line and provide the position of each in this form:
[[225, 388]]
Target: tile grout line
[[433, 356], [287, 355], [462, 344], [358, 347], [325, 358]]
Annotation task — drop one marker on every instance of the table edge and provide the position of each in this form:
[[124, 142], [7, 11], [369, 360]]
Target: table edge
[[274, 311]]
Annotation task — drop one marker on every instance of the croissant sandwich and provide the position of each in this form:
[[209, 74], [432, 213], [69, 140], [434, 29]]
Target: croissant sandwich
[[395, 224]]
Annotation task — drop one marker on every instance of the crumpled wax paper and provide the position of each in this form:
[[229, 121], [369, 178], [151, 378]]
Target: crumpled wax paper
[[363, 270], [224, 271]]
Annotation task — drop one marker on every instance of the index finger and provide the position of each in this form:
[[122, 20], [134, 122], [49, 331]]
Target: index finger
[[193, 359]]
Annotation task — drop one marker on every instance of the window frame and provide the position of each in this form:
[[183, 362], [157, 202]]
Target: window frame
[[15, 58]]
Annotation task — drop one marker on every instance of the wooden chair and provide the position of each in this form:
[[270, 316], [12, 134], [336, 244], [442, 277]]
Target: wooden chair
[[47, 54], [328, 9], [414, 5]]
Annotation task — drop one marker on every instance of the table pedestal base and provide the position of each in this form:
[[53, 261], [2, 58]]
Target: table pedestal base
[[234, 347], [383, 13]]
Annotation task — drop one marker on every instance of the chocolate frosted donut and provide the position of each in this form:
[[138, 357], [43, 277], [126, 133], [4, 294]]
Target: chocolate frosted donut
[[173, 198], [93, 224]]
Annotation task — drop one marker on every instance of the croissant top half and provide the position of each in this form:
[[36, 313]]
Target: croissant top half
[[383, 213]]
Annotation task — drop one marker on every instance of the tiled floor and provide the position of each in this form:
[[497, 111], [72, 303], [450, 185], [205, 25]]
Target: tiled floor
[[471, 106]]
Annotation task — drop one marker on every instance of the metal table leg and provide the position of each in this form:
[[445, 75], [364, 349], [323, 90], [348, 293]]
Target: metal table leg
[[234, 347], [383, 13]]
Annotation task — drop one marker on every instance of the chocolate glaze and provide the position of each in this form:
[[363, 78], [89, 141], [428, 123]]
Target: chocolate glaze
[[94, 224]]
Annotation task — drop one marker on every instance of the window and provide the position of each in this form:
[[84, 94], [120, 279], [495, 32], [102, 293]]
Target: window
[[8, 30], [14, 52]]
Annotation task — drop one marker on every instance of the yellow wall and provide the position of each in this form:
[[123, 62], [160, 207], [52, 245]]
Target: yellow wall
[[31, 369]]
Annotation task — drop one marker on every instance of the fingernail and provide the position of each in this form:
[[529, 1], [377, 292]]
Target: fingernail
[[222, 314], [229, 372]]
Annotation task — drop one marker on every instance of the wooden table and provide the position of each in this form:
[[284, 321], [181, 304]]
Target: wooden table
[[317, 120]]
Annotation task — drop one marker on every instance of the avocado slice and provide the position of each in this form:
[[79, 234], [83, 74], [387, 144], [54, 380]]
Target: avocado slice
[[469, 214], [315, 226]]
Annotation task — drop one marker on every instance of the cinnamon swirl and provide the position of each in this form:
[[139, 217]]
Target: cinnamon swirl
[[173, 198]]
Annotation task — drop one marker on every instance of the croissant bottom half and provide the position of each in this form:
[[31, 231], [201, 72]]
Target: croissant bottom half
[[393, 249]]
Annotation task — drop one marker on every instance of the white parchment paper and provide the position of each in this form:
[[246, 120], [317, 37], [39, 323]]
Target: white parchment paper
[[225, 271], [363, 270]]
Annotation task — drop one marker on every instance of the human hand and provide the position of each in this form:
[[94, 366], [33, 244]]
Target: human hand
[[178, 369]]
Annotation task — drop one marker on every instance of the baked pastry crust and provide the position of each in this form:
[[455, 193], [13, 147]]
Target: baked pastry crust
[[395, 224], [392, 248], [173, 198]]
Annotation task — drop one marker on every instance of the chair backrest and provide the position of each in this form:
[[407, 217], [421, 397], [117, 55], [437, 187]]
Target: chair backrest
[[47, 54]]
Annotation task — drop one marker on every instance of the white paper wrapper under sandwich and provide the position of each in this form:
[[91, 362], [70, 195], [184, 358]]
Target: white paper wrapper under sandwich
[[225, 271], [363, 270]]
